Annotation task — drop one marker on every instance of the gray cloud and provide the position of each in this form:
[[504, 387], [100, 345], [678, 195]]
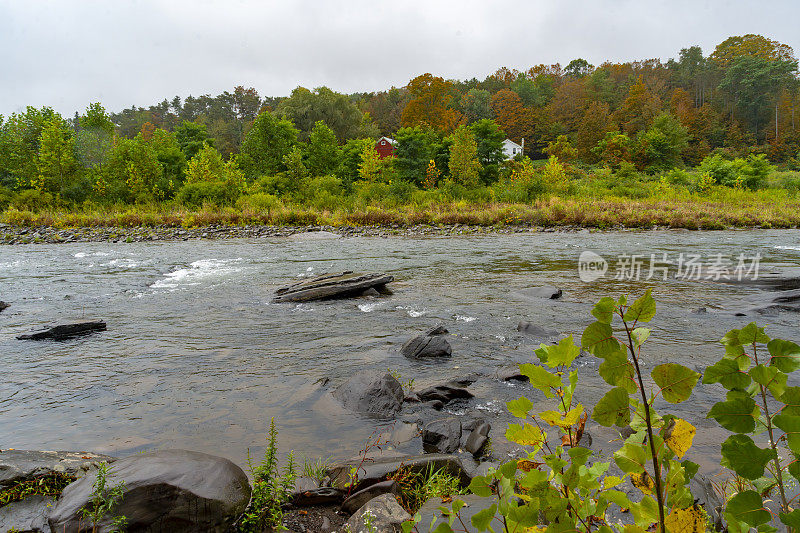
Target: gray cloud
[[67, 53]]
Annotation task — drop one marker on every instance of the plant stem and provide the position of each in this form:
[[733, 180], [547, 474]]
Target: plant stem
[[656, 467]]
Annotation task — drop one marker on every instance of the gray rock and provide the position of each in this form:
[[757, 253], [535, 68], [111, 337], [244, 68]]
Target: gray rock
[[444, 393], [539, 332], [357, 500], [26, 515], [511, 373], [3, 306], [544, 291], [429, 344], [477, 439], [166, 490], [22, 465], [65, 331], [474, 504], [380, 469], [340, 285], [371, 393], [705, 495], [371, 292], [384, 516], [304, 483], [318, 496], [442, 436]]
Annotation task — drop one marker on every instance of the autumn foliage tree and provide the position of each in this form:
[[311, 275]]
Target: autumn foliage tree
[[429, 104]]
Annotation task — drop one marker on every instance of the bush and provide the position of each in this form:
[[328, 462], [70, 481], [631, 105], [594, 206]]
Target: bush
[[201, 192], [6, 197], [718, 168], [32, 200], [279, 185], [790, 182], [259, 202], [395, 193]]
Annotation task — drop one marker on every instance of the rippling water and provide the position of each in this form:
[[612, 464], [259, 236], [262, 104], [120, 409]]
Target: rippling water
[[196, 357]]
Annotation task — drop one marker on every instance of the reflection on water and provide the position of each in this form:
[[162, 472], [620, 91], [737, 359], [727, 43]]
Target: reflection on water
[[196, 357]]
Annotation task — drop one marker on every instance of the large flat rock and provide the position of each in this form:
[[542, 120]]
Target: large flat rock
[[65, 331], [23, 465], [327, 286]]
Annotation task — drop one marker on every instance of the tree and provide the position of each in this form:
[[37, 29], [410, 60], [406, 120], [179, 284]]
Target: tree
[[578, 68], [638, 110], [663, 143], [613, 149], [172, 159], [591, 130], [430, 98], [266, 144], [323, 150], [489, 138], [21, 136], [413, 150], [304, 108], [208, 166], [464, 166], [131, 172], [477, 105], [562, 149], [370, 166], [512, 116], [96, 118], [751, 45], [192, 137], [56, 162], [534, 92]]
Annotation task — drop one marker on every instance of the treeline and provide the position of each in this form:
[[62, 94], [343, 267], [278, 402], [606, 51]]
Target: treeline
[[733, 109]]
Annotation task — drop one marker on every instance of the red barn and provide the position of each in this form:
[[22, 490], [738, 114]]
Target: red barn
[[385, 147]]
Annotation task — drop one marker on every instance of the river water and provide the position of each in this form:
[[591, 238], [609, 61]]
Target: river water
[[197, 357]]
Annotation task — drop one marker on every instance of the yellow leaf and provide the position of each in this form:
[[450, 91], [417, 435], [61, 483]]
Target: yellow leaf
[[679, 437], [554, 418], [643, 482], [611, 481], [525, 434], [691, 520]]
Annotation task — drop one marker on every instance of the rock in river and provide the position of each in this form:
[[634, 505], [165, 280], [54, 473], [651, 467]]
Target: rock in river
[[372, 393], [385, 516], [341, 285], [65, 331], [3, 306], [545, 291], [166, 490], [430, 344], [24, 465]]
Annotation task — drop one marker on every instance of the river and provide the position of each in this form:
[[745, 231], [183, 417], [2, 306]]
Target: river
[[197, 357]]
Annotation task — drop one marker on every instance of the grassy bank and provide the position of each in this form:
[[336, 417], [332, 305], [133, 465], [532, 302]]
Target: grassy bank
[[718, 210]]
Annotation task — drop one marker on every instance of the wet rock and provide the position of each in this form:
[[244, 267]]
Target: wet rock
[[474, 504], [511, 373], [539, 332], [65, 331], [3, 306], [371, 472], [544, 291], [699, 311], [371, 393], [384, 516], [477, 439], [445, 393], [318, 496], [304, 483], [436, 405], [703, 491], [23, 465], [371, 292], [360, 498], [442, 436], [26, 515], [166, 490], [340, 285], [430, 344]]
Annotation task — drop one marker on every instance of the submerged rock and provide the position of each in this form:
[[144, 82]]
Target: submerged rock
[[547, 292], [371, 393], [539, 332], [327, 286], [442, 436], [3, 306], [166, 490], [65, 331], [24, 465], [385, 516], [445, 393], [429, 344]]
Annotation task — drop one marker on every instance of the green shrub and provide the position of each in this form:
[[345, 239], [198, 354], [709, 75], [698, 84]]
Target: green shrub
[[32, 200], [206, 192], [718, 168], [258, 202], [280, 185]]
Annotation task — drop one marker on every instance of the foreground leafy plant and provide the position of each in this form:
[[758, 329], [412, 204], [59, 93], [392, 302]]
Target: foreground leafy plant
[[103, 501], [755, 371], [51, 484], [417, 487], [271, 489]]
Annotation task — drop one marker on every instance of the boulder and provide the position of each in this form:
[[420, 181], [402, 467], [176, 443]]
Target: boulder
[[357, 500], [23, 465], [371, 472], [474, 504], [511, 373], [445, 393], [340, 285], [65, 331], [477, 439], [3, 306], [372, 393], [547, 292], [166, 490], [383, 515], [430, 344], [442, 436], [26, 515], [539, 332]]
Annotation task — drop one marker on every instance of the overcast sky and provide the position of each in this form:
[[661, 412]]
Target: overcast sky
[[67, 53]]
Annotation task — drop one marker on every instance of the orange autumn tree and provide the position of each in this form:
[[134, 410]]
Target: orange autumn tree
[[512, 116], [429, 104]]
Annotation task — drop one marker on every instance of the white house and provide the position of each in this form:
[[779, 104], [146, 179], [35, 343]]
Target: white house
[[512, 149]]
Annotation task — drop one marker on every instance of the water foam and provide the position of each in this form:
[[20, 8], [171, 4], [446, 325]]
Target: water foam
[[197, 272]]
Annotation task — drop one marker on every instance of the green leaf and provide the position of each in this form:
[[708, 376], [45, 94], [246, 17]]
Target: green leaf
[[520, 408], [770, 377], [640, 335], [524, 434], [555, 418], [794, 468], [751, 334], [726, 372], [598, 339], [603, 310], [785, 355], [540, 378], [735, 414], [731, 338], [791, 519], [740, 454], [791, 397], [690, 468], [480, 486], [443, 527], [563, 353], [631, 458], [579, 455], [747, 507], [613, 408], [676, 381], [618, 371], [642, 310], [791, 426]]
